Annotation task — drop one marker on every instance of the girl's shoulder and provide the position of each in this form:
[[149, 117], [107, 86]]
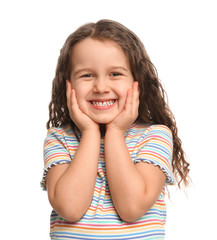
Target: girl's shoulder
[[65, 132], [144, 130]]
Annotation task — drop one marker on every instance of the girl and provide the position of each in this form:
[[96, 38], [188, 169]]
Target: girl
[[112, 143]]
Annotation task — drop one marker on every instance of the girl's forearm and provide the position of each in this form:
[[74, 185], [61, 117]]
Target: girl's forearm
[[73, 191], [126, 184]]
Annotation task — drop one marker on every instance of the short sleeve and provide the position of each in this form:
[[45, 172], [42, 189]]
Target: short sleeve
[[56, 151], [156, 147]]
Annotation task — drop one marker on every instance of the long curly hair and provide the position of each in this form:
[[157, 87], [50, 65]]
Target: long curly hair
[[153, 106]]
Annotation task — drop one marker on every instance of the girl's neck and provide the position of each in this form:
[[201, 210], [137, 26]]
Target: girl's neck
[[102, 130]]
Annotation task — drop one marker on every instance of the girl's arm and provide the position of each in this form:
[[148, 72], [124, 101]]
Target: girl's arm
[[70, 186], [134, 188]]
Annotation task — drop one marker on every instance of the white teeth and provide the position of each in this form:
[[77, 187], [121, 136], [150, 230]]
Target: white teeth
[[106, 103]]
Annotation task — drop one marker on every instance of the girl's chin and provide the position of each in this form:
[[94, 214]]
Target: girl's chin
[[103, 120]]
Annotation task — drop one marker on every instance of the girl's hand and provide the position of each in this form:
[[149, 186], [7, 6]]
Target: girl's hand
[[82, 121], [130, 112]]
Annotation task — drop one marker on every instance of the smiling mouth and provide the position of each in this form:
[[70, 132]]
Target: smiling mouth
[[103, 103]]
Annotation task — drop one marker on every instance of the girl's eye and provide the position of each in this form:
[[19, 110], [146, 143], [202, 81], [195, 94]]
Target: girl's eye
[[87, 75], [115, 74]]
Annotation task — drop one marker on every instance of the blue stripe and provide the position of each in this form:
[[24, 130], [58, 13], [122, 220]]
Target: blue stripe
[[157, 146], [111, 237]]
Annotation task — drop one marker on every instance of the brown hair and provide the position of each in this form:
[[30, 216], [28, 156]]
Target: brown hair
[[153, 106]]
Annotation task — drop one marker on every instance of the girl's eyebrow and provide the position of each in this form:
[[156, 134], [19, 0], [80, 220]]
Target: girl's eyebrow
[[89, 69], [82, 70], [120, 67]]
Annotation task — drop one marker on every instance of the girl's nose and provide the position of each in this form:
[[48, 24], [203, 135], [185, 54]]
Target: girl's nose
[[101, 85]]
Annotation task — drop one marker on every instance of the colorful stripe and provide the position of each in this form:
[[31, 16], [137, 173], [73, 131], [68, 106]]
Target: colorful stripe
[[151, 144]]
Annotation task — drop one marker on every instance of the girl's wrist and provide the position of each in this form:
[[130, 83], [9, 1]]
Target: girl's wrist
[[113, 131], [91, 131]]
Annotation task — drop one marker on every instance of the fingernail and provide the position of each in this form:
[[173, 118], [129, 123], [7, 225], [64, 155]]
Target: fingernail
[[136, 84]]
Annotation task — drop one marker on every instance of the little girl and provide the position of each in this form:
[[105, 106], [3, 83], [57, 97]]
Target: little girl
[[112, 143]]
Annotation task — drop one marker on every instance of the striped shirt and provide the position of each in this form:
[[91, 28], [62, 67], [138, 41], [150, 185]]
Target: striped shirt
[[150, 144]]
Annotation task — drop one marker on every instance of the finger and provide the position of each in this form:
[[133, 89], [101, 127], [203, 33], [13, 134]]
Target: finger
[[68, 93], [74, 102], [71, 97], [135, 97], [136, 90], [129, 96], [135, 93]]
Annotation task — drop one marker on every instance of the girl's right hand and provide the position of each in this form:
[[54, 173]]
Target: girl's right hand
[[82, 121]]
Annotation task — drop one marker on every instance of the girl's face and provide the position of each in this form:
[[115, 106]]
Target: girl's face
[[101, 77]]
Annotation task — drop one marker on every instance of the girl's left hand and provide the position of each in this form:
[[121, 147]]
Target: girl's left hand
[[130, 112]]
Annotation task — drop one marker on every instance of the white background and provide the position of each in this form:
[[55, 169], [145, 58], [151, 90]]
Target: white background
[[180, 37]]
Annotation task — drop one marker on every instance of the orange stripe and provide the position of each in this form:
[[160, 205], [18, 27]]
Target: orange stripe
[[56, 156], [118, 226], [156, 156], [155, 139]]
